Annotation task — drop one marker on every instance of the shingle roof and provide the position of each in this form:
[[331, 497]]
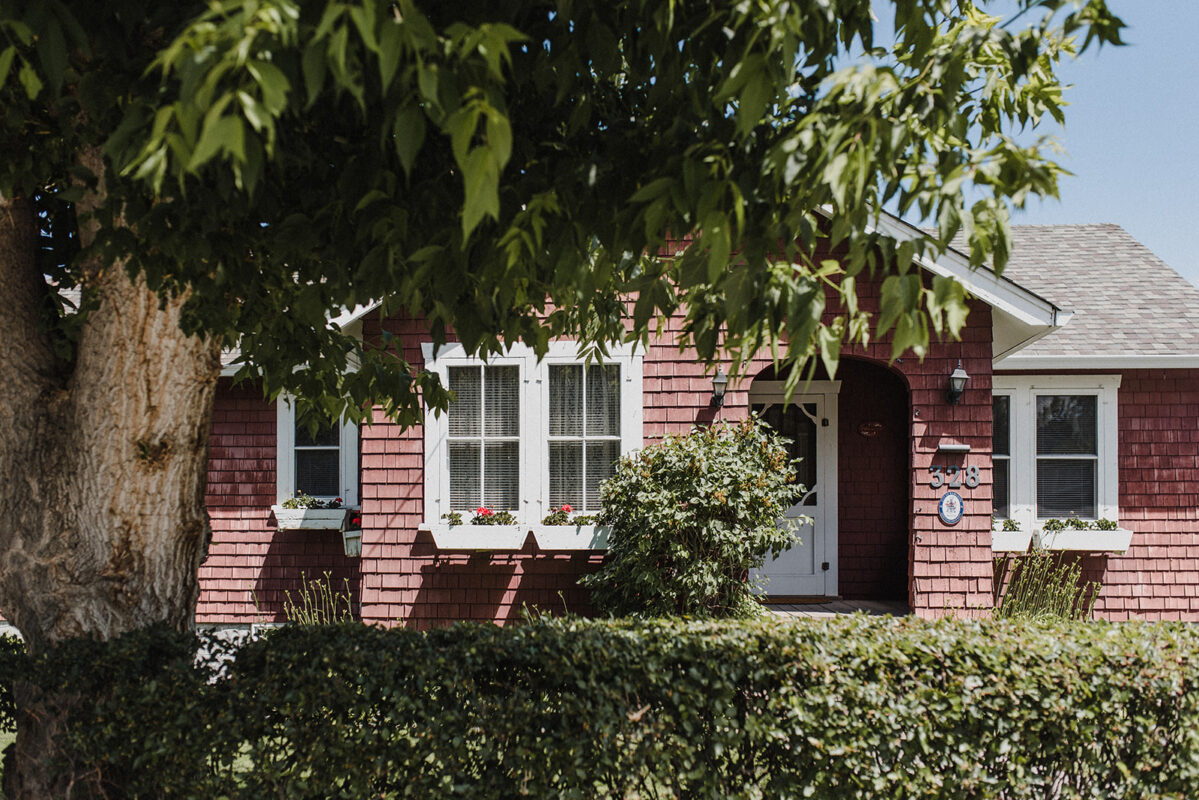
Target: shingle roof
[[1126, 301]]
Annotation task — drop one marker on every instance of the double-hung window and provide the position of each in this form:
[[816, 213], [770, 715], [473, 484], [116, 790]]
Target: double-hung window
[[323, 464], [528, 436], [1054, 446]]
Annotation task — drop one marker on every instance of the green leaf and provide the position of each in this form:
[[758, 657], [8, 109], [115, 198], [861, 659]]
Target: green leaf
[[52, 53], [274, 85], [409, 134], [480, 182], [30, 80], [6, 58], [314, 70]]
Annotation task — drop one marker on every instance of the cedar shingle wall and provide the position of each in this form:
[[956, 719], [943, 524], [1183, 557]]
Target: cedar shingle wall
[[1158, 578], [251, 566]]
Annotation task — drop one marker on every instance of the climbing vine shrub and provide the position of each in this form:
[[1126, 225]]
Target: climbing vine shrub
[[690, 517], [851, 708]]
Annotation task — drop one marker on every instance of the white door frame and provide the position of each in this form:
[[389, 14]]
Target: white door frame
[[824, 530]]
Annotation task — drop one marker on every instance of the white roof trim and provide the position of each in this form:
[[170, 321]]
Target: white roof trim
[[1113, 361], [342, 320], [983, 283]]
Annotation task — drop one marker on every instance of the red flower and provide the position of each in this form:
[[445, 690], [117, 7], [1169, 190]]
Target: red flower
[[566, 507], [337, 499], [484, 511]]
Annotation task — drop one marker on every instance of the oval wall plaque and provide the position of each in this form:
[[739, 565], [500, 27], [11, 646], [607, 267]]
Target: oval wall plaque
[[870, 429]]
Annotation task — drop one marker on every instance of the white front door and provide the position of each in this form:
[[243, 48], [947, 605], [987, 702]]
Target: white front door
[[809, 421]]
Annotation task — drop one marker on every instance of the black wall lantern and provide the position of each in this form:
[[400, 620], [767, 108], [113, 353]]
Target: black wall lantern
[[720, 382], [957, 384]]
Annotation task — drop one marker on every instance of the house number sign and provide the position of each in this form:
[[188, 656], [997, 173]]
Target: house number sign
[[953, 477], [950, 508]]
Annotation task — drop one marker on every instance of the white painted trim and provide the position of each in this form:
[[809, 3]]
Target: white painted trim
[[1010, 541], [1116, 361], [285, 455], [313, 519], [1093, 541], [770, 392], [572, 537], [1023, 390], [982, 282], [534, 424], [478, 537]]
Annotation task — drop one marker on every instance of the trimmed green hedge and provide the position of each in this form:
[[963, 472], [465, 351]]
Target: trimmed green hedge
[[849, 708]]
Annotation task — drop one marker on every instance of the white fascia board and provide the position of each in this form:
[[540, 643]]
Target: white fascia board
[[350, 323], [1114, 361], [983, 283]]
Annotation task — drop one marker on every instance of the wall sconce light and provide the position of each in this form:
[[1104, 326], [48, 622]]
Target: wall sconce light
[[720, 382], [957, 384]]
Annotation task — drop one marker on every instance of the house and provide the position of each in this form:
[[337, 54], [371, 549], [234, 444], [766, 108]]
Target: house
[[1080, 399]]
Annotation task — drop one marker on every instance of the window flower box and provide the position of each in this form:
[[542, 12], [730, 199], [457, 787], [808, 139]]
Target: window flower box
[[318, 519], [351, 541], [1010, 541], [479, 537], [572, 537], [1095, 541]]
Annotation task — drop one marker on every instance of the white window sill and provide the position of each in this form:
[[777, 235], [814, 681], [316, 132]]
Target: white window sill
[[1092, 541], [1010, 541], [319, 519], [513, 537]]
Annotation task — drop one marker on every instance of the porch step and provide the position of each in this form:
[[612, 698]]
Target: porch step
[[832, 608]]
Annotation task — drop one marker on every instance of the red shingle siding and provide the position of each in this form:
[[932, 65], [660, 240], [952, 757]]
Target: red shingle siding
[[251, 566], [1158, 578]]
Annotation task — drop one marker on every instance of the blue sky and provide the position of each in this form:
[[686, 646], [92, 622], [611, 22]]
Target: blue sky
[[1132, 134]]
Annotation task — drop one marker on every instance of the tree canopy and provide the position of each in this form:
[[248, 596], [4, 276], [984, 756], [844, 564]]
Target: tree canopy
[[514, 170]]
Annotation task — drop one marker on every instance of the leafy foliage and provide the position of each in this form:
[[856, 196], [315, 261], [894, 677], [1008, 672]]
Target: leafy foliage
[[846, 708], [690, 517], [1041, 585], [514, 170], [302, 500], [317, 603]]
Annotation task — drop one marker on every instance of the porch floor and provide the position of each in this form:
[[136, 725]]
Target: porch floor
[[832, 608]]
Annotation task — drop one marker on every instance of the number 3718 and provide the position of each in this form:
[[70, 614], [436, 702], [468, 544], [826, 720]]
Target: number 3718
[[952, 477]]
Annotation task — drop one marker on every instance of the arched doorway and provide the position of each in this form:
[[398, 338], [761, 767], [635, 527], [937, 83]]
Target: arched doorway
[[853, 436], [874, 443]]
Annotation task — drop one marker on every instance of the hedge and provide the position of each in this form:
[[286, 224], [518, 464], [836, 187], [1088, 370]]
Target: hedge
[[848, 708]]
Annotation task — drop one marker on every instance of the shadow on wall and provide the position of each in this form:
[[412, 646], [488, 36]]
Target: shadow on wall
[[303, 555], [489, 587]]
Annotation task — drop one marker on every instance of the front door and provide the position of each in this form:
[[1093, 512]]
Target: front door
[[808, 568]]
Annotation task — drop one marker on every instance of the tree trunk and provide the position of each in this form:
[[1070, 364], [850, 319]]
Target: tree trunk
[[103, 463]]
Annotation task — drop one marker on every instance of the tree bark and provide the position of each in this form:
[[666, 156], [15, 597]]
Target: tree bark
[[102, 519]]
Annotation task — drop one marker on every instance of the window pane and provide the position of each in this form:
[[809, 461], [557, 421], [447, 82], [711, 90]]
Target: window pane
[[501, 476], [465, 411], [1002, 503], [1066, 487], [566, 474], [317, 473], [601, 463], [465, 491], [1001, 436], [1066, 424], [603, 400], [566, 401], [326, 436], [502, 401]]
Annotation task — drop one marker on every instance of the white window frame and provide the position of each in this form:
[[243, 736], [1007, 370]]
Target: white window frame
[[1022, 476], [534, 421], [285, 456]]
